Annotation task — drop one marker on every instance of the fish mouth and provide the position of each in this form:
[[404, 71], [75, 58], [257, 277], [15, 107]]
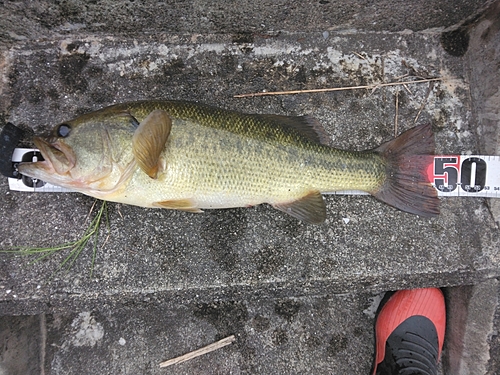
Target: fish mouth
[[59, 159]]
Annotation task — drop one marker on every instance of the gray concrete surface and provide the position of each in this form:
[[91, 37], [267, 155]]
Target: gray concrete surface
[[484, 76], [470, 327], [166, 282], [293, 335], [38, 19]]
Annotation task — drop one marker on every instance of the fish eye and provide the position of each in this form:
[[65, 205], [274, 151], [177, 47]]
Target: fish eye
[[63, 130]]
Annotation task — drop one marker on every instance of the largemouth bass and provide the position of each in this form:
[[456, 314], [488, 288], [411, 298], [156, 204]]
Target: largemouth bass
[[191, 157]]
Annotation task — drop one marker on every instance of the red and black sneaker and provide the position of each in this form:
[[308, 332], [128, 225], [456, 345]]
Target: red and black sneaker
[[410, 333]]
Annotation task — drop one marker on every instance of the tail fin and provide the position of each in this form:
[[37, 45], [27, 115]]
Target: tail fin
[[407, 187]]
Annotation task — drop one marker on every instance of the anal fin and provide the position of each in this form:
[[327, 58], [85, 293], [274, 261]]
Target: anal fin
[[310, 208], [178, 204], [149, 141]]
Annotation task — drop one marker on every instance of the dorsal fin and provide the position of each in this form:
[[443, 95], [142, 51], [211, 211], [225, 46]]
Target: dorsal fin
[[306, 126], [149, 141]]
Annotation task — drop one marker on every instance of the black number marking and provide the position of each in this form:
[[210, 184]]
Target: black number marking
[[473, 175], [28, 181], [449, 174]]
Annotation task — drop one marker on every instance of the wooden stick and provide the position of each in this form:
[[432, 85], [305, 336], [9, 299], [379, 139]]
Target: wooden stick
[[207, 349], [374, 86]]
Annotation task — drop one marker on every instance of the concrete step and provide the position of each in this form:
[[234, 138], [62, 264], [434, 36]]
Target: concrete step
[[296, 335], [364, 244]]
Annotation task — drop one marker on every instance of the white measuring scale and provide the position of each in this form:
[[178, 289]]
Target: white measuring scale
[[451, 176]]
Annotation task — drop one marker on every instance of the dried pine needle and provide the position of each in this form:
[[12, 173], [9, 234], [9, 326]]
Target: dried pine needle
[[364, 87]]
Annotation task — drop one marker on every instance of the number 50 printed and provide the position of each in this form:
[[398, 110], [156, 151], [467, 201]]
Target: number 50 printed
[[466, 175]]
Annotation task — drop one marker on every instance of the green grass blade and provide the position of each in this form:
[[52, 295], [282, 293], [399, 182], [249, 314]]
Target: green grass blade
[[75, 248]]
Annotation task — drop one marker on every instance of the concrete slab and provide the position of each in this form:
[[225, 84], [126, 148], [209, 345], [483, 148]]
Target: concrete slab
[[484, 76], [21, 345], [41, 19], [254, 251], [471, 311], [494, 342], [294, 335]]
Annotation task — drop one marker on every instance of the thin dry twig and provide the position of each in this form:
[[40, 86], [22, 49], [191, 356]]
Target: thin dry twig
[[120, 212], [396, 115], [91, 210], [407, 89], [371, 87], [106, 240], [403, 76], [207, 349], [359, 55], [431, 85]]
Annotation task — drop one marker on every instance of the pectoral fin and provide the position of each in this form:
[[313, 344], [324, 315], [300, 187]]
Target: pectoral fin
[[180, 204], [310, 208], [149, 141]]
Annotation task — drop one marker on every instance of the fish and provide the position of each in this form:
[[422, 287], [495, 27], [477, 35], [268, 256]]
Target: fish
[[192, 157]]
